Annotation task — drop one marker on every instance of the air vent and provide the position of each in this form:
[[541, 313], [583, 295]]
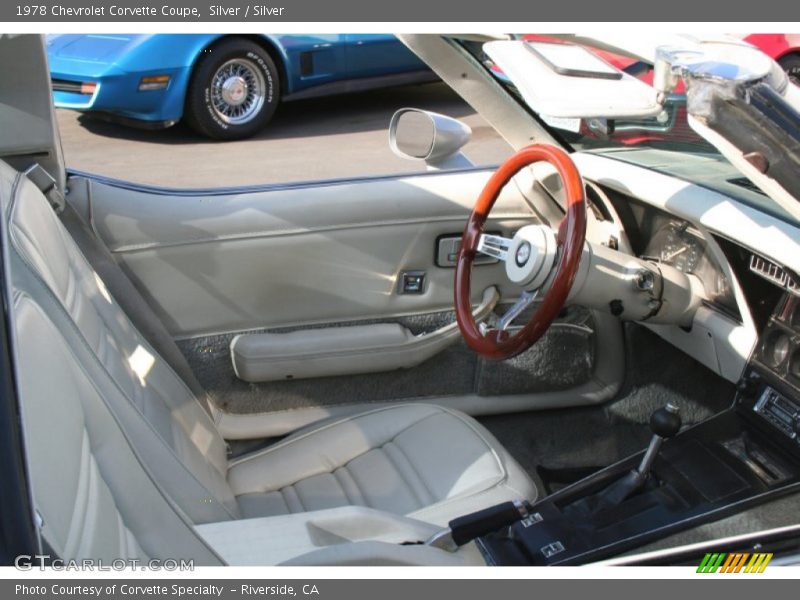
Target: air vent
[[306, 64], [774, 273], [793, 286]]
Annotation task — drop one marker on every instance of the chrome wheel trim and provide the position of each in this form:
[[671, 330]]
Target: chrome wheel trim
[[238, 89], [794, 75]]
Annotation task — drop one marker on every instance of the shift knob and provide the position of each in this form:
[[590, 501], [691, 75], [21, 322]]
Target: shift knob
[[666, 422]]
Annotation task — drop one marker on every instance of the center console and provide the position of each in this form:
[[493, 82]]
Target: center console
[[770, 389], [743, 456]]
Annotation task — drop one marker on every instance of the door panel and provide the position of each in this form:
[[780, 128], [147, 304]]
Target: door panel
[[564, 359], [298, 254], [213, 264]]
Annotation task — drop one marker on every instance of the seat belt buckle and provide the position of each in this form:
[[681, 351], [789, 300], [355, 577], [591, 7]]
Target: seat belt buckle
[[47, 185]]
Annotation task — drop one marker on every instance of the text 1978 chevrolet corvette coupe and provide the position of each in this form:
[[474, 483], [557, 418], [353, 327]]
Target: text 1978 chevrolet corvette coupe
[[591, 353], [225, 86]]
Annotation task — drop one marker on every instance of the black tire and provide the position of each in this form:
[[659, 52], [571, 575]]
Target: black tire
[[231, 77], [791, 64]]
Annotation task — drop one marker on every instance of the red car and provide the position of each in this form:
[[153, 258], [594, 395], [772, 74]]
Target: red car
[[783, 47]]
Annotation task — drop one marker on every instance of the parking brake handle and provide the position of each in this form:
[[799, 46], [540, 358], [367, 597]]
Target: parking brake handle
[[463, 530]]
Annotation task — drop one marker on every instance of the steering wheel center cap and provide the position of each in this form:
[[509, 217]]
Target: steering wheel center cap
[[523, 254], [534, 252], [234, 90]]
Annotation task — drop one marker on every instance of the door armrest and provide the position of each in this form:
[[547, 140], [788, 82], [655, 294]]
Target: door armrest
[[353, 350]]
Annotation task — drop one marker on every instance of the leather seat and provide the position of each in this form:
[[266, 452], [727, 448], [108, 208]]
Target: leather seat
[[423, 461], [418, 460]]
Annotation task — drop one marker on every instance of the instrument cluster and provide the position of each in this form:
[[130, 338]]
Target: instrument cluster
[[677, 243]]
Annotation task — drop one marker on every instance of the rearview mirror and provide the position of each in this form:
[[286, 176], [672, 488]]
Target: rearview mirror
[[422, 135]]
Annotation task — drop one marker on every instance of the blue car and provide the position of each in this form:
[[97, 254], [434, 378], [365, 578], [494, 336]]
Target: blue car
[[225, 86]]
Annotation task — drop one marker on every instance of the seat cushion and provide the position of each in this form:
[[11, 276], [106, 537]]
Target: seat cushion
[[418, 460]]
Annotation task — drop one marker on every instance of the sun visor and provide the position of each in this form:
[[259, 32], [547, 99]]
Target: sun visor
[[567, 81]]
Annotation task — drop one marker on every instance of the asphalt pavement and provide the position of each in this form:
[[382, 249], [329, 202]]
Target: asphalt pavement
[[342, 136]]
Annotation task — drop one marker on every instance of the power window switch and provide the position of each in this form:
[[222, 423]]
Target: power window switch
[[412, 282]]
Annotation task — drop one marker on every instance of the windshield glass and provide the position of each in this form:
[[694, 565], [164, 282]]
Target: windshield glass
[[665, 143]]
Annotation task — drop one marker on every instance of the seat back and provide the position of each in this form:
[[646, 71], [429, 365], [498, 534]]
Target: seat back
[[168, 429], [94, 496]]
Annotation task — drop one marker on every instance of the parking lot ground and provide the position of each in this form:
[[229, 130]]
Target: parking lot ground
[[326, 138]]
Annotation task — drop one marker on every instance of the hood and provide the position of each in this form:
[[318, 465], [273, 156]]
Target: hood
[[103, 49]]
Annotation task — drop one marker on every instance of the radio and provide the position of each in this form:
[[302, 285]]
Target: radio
[[779, 411]]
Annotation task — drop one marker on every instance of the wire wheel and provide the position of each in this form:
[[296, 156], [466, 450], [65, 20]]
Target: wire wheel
[[238, 89]]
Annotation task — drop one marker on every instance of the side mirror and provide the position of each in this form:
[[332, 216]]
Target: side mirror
[[422, 135]]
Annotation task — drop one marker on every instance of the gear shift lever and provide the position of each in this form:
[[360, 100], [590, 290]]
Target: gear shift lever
[[664, 423]]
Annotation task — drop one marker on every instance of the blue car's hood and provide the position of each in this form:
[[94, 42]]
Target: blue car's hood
[[94, 48]]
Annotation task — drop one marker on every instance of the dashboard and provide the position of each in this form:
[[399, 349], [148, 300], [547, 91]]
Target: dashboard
[[697, 231], [761, 349], [770, 387], [660, 237], [780, 347], [678, 244]]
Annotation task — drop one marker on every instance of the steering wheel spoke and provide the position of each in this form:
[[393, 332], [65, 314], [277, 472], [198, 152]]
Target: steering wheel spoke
[[495, 246], [524, 301]]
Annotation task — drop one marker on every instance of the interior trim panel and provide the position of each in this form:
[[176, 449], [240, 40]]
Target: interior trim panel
[[229, 263]]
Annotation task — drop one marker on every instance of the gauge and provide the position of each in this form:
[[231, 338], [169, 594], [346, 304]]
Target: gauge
[[776, 348], [794, 364], [794, 320], [681, 249]]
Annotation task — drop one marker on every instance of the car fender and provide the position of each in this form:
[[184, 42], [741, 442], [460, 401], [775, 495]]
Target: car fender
[[330, 59], [776, 45], [195, 48], [118, 62], [177, 54]]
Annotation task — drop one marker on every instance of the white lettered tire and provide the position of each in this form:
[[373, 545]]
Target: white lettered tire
[[234, 90]]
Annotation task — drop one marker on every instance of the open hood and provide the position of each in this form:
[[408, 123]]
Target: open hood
[[30, 132]]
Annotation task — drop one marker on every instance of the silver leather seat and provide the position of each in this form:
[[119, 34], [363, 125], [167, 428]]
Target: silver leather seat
[[418, 460], [119, 444]]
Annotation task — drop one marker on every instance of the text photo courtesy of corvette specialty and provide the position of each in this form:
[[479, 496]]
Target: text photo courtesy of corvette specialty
[[586, 355], [225, 87]]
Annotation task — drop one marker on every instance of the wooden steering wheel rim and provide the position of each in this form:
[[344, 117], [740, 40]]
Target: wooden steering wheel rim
[[499, 345]]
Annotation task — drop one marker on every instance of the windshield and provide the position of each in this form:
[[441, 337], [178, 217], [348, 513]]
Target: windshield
[[665, 143]]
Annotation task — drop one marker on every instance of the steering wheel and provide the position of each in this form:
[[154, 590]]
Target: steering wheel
[[529, 257]]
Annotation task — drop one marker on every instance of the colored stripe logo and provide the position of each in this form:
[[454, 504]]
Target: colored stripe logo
[[737, 562]]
